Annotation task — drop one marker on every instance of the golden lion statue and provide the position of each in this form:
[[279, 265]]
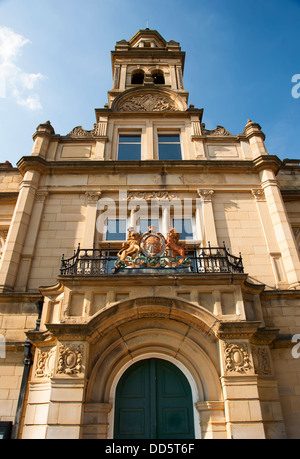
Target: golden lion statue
[[131, 247], [173, 243]]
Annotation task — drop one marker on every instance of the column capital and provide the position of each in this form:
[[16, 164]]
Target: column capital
[[205, 194], [258, 194], [92, 197]]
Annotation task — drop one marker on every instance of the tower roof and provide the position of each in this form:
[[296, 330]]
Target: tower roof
[[152, 38]]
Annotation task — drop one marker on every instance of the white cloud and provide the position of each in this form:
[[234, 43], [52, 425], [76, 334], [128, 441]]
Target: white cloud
[[19, 85]]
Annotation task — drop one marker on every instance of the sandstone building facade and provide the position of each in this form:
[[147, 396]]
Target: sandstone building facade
[[161, 345]]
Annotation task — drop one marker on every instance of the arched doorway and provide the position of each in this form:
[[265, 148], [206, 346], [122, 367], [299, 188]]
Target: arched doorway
[[153, 401]]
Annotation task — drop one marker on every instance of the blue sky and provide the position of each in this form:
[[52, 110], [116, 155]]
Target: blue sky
[[240, 60]]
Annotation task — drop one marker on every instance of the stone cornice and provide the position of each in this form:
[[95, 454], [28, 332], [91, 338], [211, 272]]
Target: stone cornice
[[39, 164], [18, 297], [156, 279], [267, 162], [237, 330]]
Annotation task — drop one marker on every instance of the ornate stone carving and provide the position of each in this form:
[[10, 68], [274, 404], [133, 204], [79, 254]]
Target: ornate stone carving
[[220, 131], [40, 196], [237, 358], [148, 103], [147, 195], [205, 195], [259, 194], [261, 360], [79, 132], [70, 360], [150, 250], [3, 234], [45, 364], [92, 197]]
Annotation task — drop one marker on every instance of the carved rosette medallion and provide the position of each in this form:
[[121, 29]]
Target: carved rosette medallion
[[70, 360], [237, 359]]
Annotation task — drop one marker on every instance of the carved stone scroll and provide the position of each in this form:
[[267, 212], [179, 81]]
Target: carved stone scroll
[[79, 133], [220, 131]]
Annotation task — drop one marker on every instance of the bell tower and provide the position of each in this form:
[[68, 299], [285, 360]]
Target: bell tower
[[147, 61]]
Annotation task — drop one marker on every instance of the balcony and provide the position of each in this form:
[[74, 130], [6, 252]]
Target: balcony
[[97, 262]]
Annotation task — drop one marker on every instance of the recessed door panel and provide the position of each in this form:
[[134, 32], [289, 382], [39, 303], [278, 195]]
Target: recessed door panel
[[154, 401]]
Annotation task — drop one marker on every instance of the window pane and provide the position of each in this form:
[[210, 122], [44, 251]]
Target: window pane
[[169, 151], [184, 227], [144, 223], [127, 138], [116, 230], [169, 138], [129, 152]]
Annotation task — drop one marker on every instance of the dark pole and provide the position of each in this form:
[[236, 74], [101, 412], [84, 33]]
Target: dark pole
[[25, 377]]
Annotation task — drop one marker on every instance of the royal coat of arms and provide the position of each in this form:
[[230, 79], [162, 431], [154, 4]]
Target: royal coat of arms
[[153, 244], [152, 250]]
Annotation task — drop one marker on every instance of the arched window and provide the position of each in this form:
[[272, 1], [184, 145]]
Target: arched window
[[137, 77], [158, 77]]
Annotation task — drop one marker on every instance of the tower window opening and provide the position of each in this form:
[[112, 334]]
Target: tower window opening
[[138, 77], [158, 77]]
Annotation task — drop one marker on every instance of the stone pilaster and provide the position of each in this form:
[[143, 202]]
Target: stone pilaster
[[56, 392], [212, 420], [282, 229], [30, 241], [92, 199], [208, 216], [18, 231]]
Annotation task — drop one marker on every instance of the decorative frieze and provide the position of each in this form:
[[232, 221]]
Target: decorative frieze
[[148, 195]]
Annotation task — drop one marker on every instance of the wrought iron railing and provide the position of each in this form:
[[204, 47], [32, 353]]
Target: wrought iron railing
[[96, 262]]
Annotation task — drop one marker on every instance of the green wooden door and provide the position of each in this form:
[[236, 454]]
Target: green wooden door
[[154, 401]]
